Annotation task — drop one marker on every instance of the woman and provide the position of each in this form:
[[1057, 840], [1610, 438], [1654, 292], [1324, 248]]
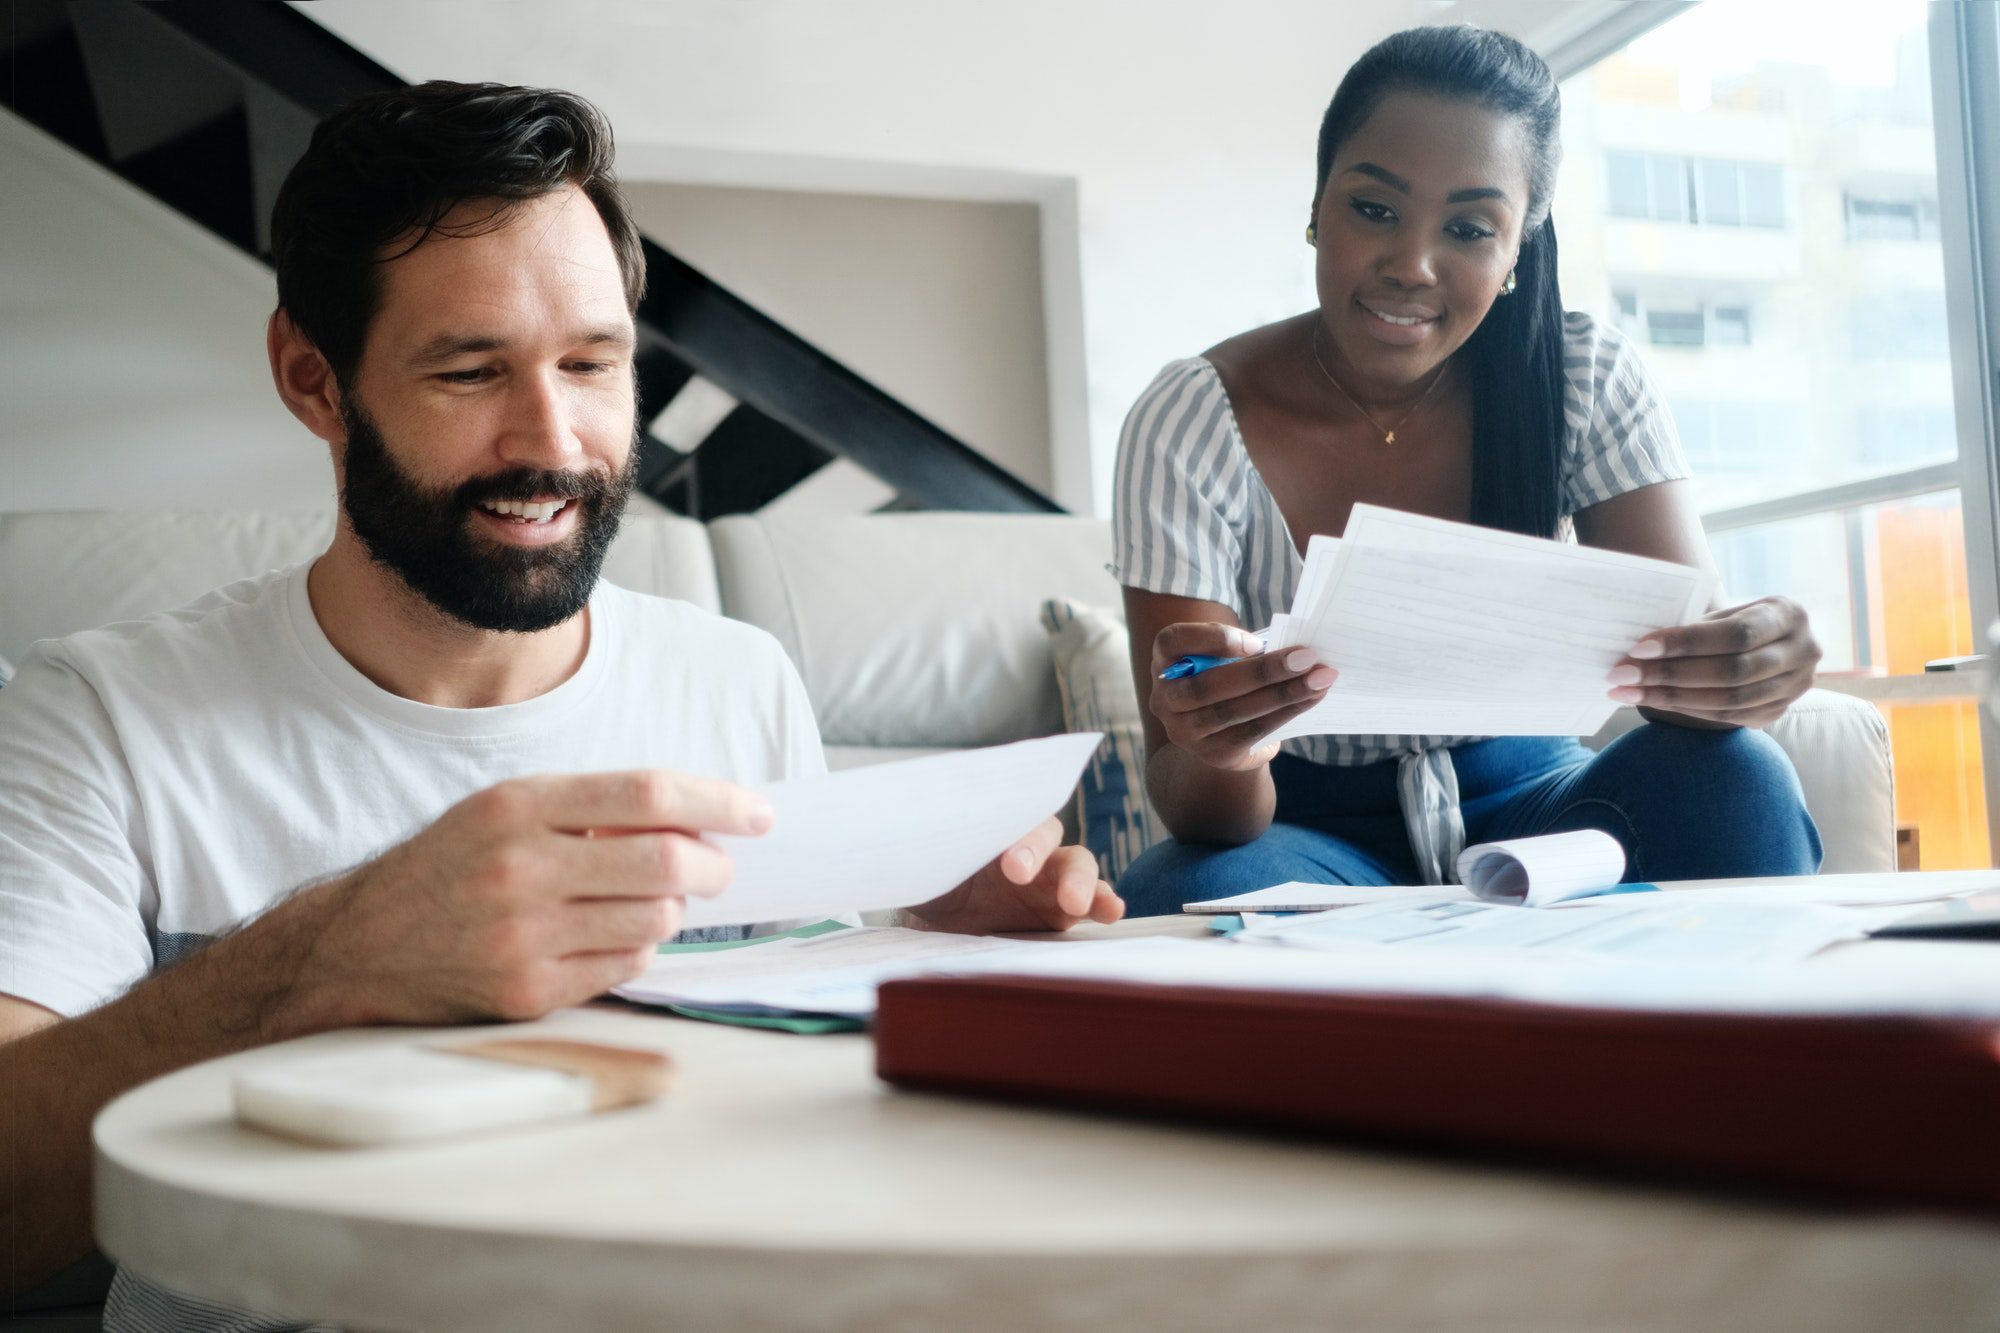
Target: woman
[[1440, 375]]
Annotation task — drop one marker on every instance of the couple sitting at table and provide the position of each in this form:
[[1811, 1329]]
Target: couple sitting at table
[[195, 807]]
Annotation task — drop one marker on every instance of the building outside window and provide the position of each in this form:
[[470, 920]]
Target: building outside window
[[1754, 201], [1714, 192]]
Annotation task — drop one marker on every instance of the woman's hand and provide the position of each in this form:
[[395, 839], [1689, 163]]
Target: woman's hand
[[1222, 715], [1037, 884], [1742, 667]]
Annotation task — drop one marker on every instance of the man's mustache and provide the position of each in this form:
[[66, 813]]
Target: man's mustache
[[533, 484]]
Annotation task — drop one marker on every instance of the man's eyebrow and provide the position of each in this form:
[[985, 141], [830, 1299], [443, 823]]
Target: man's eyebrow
[[447, 346], [615, 335]]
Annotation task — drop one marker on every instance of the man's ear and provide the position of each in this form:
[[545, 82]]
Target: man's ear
[[304, 380]]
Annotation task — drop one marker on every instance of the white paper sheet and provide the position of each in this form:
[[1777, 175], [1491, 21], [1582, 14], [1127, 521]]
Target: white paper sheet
[[1696, 931], [1540, 871], [891, 835], [1872, 977], [1448, 628], [1886, 889], [1576, 888], [1302, 897], [834, 973]]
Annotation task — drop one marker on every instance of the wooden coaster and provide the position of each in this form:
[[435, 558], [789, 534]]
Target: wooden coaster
[[619, 1075]]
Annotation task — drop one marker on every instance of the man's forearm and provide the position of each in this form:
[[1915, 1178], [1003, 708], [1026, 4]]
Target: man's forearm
[[258, 985]]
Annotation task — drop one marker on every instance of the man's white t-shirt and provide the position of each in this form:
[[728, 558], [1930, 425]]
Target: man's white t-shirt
[[165, 778]]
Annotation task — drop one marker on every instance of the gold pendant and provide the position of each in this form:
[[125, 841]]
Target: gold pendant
[[1390, 438]]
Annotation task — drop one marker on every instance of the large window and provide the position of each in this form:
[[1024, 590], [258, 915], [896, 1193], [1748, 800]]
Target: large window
[[1752, 196], [1717, 192]]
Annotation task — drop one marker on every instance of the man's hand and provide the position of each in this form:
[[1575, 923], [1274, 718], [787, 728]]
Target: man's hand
[[528, 896], [1037, 884], [1742, 667]]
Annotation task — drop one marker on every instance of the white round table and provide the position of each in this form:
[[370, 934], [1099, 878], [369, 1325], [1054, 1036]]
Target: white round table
[[781, 1186]]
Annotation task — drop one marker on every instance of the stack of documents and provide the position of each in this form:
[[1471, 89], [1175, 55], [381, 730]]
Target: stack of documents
[[1564, 893], [1680, 930], [1876, 977], [825, 973], [1441, 628], [1534, 922]]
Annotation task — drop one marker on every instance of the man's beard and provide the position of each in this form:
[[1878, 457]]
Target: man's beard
[[426, 536]]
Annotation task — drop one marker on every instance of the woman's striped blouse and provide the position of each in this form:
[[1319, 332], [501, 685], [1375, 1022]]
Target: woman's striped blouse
[[1192, 518]]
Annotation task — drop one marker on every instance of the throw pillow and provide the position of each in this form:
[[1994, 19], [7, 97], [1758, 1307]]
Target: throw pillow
[[1094, 675]]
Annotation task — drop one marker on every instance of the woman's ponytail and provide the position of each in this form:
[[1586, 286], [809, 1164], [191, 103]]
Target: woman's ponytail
[[1516, 359]]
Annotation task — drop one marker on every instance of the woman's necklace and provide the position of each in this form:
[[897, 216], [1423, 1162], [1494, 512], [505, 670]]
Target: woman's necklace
[[1388, 435]]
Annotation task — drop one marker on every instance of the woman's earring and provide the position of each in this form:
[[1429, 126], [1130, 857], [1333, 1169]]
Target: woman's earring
[[1312, 235], [1507, 287]]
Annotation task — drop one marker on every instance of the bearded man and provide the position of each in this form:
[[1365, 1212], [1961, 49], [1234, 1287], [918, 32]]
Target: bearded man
[[373, 788]]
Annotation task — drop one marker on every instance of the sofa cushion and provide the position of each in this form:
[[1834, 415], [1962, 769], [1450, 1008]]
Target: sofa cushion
[[1093, 674], [915, 629], [67, 571], [70, 571]]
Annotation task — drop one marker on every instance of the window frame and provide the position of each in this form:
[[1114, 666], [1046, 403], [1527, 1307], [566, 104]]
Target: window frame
[[1965, 113]]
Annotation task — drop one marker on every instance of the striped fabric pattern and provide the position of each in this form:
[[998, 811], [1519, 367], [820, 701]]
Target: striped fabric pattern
[[1191, 517], [1114, 819]]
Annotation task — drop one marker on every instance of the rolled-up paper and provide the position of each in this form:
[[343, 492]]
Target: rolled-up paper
[[1553, 868]]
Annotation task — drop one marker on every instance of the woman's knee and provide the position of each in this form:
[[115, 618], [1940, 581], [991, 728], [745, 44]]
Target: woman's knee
[[1169, 875], [1740, 762], [1710, 803]]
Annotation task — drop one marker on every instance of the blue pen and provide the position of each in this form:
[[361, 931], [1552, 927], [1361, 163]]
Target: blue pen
[[1196, 663]]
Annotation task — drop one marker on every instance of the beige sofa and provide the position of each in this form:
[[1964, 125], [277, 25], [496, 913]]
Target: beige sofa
[[914, 632]]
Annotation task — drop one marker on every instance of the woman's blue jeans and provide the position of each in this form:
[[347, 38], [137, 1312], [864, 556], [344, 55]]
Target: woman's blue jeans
[[1685, 804]]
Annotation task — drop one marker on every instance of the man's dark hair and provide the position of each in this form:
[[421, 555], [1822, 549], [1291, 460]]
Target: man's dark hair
[[385, 170]]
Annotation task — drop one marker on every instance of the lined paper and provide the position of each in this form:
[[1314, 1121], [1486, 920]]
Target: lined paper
[[1445, 628]]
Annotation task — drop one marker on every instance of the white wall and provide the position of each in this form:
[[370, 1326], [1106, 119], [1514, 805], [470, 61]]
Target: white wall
[[939, 302], [1167, 146], [132, 368], [1185, 126]]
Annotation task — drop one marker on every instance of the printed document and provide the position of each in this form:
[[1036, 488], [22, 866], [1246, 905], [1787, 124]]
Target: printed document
[[1531, 872], [1884, 889], [891, 835], [1453, 629], [1664, 930], [1876, 977], [833, 973]]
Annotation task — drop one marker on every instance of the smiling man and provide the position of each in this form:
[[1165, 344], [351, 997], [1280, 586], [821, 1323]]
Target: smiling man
[[383, 786]]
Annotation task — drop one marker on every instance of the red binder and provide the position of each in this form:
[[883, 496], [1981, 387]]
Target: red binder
[[1883, 1109]]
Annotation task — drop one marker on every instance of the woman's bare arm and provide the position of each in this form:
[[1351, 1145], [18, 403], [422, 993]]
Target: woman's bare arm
[[1207, 764]]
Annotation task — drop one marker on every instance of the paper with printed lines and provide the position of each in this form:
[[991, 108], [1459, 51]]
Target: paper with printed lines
[[1441, 628]]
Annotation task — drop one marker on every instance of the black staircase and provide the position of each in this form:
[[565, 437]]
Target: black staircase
[[206, 104]]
